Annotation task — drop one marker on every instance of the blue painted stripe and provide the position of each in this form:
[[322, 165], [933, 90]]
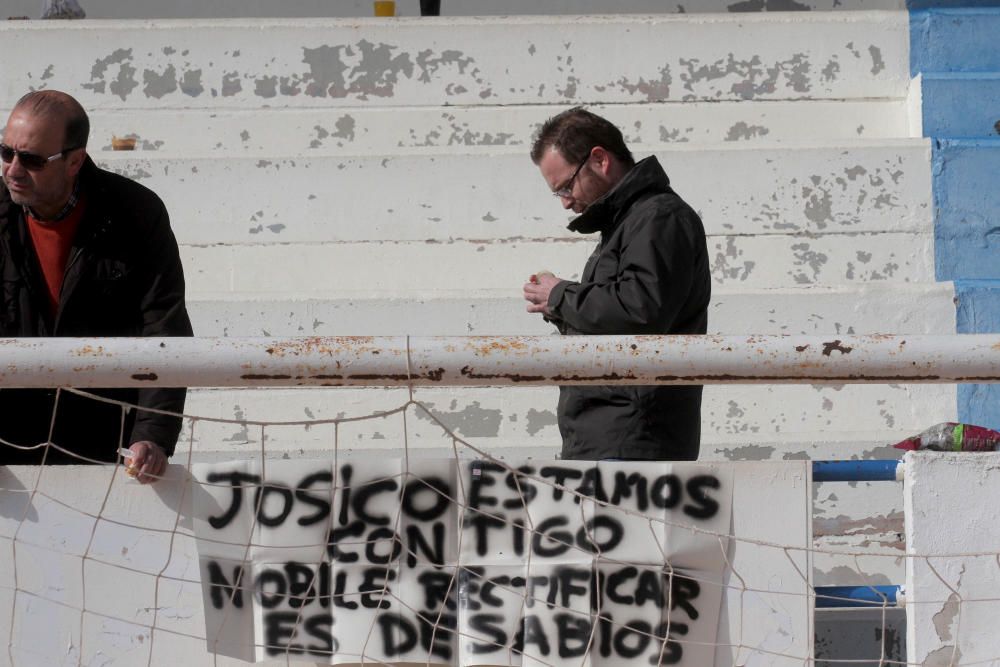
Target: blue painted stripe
[[978, 311], [854, 471], [929, 4], [979, 404], [857, 596], [967, 208], [955, 40], [978, 305], [961, 104], [955, 46]]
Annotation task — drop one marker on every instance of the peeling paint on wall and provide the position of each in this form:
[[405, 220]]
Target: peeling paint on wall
[[242, 435], [266, 86], [945, 619], [654, 90], [752, 77], [806, 257], [768, 5], [747, 453], [539, 420], [191, 83], [877, 63], [881, 530], [726, 265], [158, 85], [742, 130], [848, 576], [471, 421], [231, 84], [123, 83], [946, 656]]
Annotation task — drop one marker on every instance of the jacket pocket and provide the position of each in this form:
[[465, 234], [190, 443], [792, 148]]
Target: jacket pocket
[[110, 279], [110, 270]]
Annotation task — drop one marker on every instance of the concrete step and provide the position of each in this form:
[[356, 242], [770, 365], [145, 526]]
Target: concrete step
[[388, 131], [247, 64], [750, 422], [142, 9], [420, 270], [497, 194], [863, 309]]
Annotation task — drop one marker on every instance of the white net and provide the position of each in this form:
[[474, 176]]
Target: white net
[[357, 558]]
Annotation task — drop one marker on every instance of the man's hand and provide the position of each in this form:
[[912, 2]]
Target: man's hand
[[537, 290], [148, 461]]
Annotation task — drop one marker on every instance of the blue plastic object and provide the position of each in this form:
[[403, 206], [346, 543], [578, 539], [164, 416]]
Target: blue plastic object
[[855, 471], [857, 596]]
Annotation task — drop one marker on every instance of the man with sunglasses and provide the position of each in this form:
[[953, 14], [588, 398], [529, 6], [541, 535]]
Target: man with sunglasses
[[648, 275], [83, 252]]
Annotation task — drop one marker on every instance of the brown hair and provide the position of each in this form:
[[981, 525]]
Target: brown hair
[[575, 132]]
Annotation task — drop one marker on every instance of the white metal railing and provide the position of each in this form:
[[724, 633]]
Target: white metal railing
[[496, 361]]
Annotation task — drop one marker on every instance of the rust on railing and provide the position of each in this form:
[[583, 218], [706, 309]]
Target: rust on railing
[[499, 360]]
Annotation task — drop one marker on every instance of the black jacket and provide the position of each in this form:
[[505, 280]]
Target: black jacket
[[648, 275], [123, 278]]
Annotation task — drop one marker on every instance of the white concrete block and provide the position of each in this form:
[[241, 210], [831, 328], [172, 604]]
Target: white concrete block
[[869, 308], [52, 573], [751, 422], [498, 194], [46, 634], [952, 545], [279, 63], [755, 630], [388, 131], [864, 309], [419, 270]]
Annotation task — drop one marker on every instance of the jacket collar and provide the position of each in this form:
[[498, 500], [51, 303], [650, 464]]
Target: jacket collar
[[87, 181], [647, 176], [13, 228]]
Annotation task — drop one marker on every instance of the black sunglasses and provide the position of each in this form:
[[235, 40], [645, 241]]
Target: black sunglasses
[[30, 161]]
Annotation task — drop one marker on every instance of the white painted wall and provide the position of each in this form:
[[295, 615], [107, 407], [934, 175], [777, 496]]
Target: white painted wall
[[336, 130], [464, 61], [952, 546]]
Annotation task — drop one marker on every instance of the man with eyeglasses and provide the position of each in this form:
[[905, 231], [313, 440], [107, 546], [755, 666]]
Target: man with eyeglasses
[[83, 252], [648, 275]]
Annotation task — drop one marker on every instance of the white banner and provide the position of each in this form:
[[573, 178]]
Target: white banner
[[464, 563]]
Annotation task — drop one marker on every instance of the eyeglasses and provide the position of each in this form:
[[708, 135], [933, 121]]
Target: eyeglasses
[[31, 161], [566, 191]]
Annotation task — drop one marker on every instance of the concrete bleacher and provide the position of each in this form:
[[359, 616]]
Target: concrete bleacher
[[143, 9], [351, 177]]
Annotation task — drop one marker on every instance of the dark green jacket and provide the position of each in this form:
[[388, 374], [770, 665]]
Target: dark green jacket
[[123, 278], [648, 275]]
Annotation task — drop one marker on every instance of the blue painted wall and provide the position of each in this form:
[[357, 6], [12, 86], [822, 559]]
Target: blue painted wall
[[963, 39], [955, 46], [978, 312], [940, 4], [966, 182], [962, 104]]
